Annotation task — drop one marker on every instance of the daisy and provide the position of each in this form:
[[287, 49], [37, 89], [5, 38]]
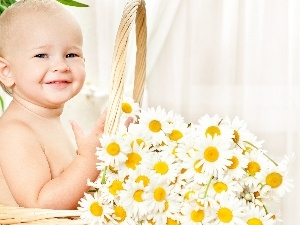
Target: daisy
[[256, 164], [164, 164], [170, 212], [113, 150], [136, 157], [136, 134], [192, 170], [238, 165], [257, 215], [193, 214], [230, 211], [213, 126], [240, 132], [129, 109], [120, 217], [214, 155], [133, 199], [157, 194], [94, 210], [276, 177], [224, 184], [155, 122]]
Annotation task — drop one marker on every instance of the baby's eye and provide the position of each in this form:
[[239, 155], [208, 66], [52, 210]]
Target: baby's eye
[[71, 55], [41, 56]]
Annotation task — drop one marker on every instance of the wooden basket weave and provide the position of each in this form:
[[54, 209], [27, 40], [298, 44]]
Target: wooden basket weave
[[134, 13]]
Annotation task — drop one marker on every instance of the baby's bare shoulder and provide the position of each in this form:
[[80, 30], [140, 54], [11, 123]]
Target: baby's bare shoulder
[[16, 135]]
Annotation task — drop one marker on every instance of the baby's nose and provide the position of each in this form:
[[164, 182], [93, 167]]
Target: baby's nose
[[60, 66]]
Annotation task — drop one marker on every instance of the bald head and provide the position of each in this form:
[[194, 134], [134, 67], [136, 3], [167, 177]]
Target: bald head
[[23, 12]]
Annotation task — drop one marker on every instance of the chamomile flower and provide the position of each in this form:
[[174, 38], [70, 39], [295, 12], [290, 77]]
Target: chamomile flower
[[230, 211], [238, 164], [136, 157], [133, 199], [240, 132], [113, 150], [192, 169], [136, 134], [257, 163], [276, 177], [170, 212], [211, 126], [94, 210], [193, 214], [129, 109], [224, 184], [257, 215], [164, 164], [120, 216], [155, 122], [157, 194], [214, 155]]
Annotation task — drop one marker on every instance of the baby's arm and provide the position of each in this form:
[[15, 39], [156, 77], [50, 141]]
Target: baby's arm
[[27, 173]]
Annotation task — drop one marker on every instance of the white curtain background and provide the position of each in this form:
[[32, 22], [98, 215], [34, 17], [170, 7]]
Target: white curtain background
[[234, 57]]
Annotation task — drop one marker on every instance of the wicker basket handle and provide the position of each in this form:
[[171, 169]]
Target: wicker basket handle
[[134, 10]]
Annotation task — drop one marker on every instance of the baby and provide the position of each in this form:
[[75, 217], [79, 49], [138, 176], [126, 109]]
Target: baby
[[42, 67]]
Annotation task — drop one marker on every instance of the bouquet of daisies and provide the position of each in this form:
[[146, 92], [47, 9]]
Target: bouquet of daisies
[[162, 170]]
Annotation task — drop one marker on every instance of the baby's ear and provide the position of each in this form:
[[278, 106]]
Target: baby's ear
[[6, 76]]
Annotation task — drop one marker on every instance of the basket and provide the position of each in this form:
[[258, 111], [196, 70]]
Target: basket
[[134, 12]]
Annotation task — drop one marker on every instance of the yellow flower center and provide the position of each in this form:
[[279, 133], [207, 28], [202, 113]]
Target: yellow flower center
[[96, 209], [274, 179], [197, 215], [212, 131], [225, 215], [171, 222], [236, 137], [253, 168], [138, 141], [188, 194], [175, 135], [211, 154], [113, 149], [137, 196], [126, 107], [199, 168], [116, 186], [234, 164], [120, 213], [144, 179], [254, 221], [220, 186], [151, 222], [159, 194], [133, 159], [155, 126], [161, 168]]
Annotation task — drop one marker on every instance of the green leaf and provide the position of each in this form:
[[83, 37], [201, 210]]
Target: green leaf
[[2, 104], [72, 3]]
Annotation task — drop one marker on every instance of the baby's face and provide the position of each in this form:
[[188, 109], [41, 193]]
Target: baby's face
[[46, 59]]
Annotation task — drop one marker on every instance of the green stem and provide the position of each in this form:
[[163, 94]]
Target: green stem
[[206, 190], [103, 181], [276, 164], [266, 210]]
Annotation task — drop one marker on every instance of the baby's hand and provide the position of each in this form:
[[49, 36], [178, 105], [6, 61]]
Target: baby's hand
[[87, 143]]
